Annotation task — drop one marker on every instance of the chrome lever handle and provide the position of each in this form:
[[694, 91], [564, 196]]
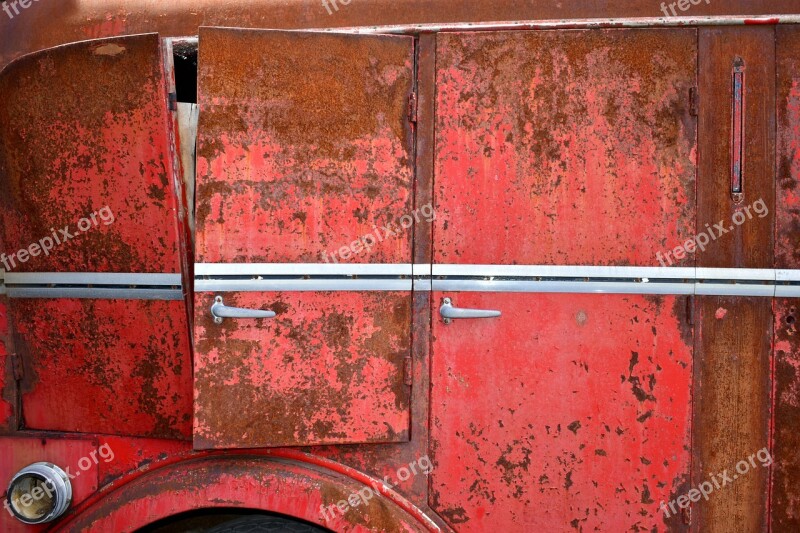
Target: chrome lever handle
[[220, 311], [450, 313]]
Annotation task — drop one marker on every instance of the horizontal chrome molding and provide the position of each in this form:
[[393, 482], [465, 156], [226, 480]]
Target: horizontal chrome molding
[[303, 269], [95, 293], [546, 271], [302, 285], [567, 287], [497, 278], [93, 278], [596, 23]]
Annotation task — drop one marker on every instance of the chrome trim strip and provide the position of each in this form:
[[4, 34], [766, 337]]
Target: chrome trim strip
[[302, 285], [596, 23], [303, 269], [93, 278], [731, 289], [736, 274], [546, 271], [567, 287], [787, 291], [787, 275], [95, 293]]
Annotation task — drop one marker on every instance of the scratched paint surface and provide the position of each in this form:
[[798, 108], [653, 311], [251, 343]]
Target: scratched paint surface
[[304, 149], [327, 370], [7, 383], [567, 413], [785, 512], [83, 127], [787, 251], [105, 366], [568, 147]]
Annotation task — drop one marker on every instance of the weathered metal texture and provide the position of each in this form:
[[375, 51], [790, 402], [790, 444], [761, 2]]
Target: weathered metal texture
[[785, 496], [74, 455], [386, 459], [329, 369], [750, 244], [731, 410], [133, 454], [733, 349], [105, 366], [787, 201], [8, 385], [570, 147], [542, 420], [99, 140], [290, 487], [304, 147], [46, 24]]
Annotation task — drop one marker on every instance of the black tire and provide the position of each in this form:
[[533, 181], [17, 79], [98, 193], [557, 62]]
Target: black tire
[[265, 524]]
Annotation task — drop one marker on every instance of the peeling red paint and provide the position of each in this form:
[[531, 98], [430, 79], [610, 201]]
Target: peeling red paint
[[582, 424], [327, 370], [569, 147]]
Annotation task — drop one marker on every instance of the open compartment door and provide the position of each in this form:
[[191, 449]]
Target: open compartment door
[[305, 220]]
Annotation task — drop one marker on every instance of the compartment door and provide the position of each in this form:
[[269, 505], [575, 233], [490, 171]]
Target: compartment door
[[305, 211], [90, 240], [562, 158]]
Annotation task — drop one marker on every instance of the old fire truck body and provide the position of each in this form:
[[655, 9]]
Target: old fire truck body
[[400, 265]]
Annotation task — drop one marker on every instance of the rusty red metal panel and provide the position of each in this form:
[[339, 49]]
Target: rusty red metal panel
[[99, 141], [304, 146], [329, 369], [8, 385], [565, 147], [787, 208], [256, 483], [785, 500], [74, 456], [48, 24], [566, 412], [131, 454], [105, 366]]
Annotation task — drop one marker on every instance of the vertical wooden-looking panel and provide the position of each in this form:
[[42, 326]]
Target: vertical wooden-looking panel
[[732, 370], [785, 508], [7, 382]]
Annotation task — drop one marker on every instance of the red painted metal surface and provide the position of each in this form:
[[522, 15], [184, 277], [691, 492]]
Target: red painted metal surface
[[328, 370], [252, 483], [105, 366], [785, 495], [568, 147], [8, 386], [99, 141], [97, 145], [566, 412], [71, 454], [787, 201], [301, 152], [305, 149]]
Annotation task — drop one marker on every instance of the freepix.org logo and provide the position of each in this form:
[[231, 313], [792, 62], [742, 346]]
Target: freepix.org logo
[[13, 7]]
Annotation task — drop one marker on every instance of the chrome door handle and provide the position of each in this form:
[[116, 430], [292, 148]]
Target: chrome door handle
[[450, 313], [219, 311]]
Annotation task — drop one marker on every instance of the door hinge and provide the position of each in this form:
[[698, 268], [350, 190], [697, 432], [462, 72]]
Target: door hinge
[[693, 101], [412, 108], [16, 365], [173, 102], [408, 371]]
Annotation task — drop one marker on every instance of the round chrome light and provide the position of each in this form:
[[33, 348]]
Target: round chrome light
[[39, 493]]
